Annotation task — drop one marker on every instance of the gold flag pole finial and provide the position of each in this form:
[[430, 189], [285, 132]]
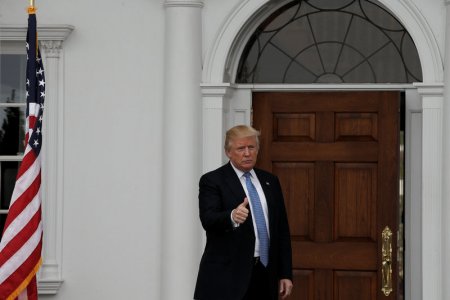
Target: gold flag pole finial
[[31, 8]]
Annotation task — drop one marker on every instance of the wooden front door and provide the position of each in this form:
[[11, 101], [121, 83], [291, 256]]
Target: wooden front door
[[337, 157]]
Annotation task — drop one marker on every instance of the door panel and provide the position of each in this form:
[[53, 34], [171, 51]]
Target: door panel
[[337, 157], [355, 200]]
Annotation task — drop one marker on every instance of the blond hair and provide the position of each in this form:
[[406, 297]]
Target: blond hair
[[240, 131]]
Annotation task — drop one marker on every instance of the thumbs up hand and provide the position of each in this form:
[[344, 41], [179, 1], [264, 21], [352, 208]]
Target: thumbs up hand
[[240, 213]]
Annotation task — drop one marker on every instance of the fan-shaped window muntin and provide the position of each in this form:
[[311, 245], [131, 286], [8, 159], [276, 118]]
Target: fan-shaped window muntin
[[356, 42]]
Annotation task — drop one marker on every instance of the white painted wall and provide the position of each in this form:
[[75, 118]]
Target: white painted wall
[[113, 107], [113, 104]]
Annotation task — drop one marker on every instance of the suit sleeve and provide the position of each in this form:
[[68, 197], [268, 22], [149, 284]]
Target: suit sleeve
[[214, 216]]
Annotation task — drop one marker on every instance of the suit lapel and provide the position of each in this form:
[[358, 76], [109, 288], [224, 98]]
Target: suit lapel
[[234, 184]]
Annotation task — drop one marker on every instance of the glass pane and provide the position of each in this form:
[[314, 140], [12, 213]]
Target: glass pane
[[325, 4], [2, 223], [8, 175], [411, 58], [394, 70], [12, 78], [330, 41], [271, 65], [379, 16], [12, 130]]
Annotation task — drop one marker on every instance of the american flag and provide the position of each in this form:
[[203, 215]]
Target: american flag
[[21, 243]]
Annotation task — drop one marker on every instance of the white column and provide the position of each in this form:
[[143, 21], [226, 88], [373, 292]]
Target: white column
[[223, 107], [446, 164], [52, 191], [215, 108], [182, 149], [432, 98], [413, 195]]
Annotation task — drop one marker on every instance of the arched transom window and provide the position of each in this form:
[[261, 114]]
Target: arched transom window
[[330, 41]]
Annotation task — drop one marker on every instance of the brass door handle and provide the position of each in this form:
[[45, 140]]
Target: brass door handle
[[386, 261]]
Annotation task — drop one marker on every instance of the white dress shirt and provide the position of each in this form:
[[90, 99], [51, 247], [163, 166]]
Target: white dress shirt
[[262, 198]]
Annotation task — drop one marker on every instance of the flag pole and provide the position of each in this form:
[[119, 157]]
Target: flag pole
[[21, 243], [31, 8]]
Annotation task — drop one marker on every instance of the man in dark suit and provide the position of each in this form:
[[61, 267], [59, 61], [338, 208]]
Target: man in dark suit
[[248, 250]]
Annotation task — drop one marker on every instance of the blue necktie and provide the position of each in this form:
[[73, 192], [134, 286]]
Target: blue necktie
[[258, 215]]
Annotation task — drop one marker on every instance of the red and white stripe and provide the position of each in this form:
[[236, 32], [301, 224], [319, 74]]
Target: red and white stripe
[[21, 244]]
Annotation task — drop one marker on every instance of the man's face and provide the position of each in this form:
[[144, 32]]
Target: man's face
[[243, 152]]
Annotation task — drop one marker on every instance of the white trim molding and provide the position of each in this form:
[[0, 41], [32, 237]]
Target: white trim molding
[[432, 106], [446, 163], [214, 107], [217, 56], [51, 38], [45, 32], [427, 47], [186, 3], [413, 195]]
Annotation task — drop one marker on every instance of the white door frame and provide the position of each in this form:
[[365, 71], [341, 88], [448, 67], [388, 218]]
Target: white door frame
[[226, 104]]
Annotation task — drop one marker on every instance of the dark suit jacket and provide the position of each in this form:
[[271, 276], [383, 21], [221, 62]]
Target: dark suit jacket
[[227, 261]]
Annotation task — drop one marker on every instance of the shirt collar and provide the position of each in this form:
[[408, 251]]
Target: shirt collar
[[240, 173]]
